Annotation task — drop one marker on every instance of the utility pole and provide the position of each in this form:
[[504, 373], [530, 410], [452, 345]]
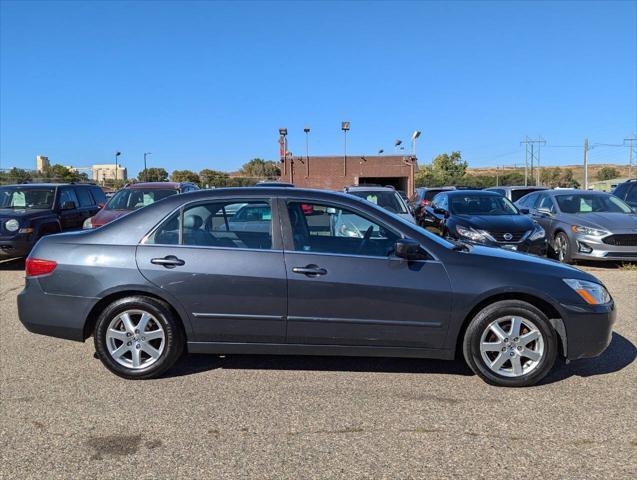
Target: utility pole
[[632, 148], [586, 164], [532, 156], [145, 169], [345, 128], [307, 151]]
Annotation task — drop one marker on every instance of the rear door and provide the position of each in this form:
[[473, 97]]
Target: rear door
[[70, 218], [88, 206], [346, 288], [231, 282]]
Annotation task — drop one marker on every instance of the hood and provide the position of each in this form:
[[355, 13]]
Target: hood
[[606, 221], [532, 263], [105, 216], [497, 223], [24, 213]]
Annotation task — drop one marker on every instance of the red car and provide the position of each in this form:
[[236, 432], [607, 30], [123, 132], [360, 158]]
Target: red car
[[134, 196]]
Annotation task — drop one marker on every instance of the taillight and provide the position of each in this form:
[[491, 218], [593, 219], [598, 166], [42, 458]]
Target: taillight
[[35, 267], [424, 203]]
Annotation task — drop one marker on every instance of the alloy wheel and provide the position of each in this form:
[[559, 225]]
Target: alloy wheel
[[512, 346], [561, 248], [135, 339]]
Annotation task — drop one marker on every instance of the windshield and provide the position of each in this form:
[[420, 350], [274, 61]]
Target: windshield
[[134, 198], [29, 198], [590, 203], [481, 205], [388, 200]]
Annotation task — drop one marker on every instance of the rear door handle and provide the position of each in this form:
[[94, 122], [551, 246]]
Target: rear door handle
[[310, 270], [169, 261]]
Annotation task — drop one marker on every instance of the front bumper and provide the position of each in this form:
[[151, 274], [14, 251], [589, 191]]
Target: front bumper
[[60, 316], [588, 247], [15, 247], [589, 329], [536, 247]]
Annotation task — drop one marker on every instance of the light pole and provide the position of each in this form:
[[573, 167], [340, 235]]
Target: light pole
[[145, 169], [117, 154], [345, 128], [414, 136], [283, 147], [307, 151]]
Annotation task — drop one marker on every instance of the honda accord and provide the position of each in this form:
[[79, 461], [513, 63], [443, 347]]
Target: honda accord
[[178, 275]]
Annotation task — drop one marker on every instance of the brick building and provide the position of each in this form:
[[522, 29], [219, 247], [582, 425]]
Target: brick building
[[335, 173]]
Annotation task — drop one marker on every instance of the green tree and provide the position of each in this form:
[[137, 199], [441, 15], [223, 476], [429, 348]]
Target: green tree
[[153, 174], [558, 177], [259, 168], [445, 169], [18, 175], [184, 176], [213, 178], [607, 173]]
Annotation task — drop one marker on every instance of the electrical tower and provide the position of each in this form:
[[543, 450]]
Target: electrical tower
[[631, 143], [532, 155]]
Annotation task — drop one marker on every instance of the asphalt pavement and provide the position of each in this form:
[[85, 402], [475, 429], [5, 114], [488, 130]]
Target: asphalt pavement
[[65, 416]]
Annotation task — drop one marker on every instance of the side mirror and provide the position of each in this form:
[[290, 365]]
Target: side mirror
[[441, 211], [69, 205], [408, 249], [524, 211]]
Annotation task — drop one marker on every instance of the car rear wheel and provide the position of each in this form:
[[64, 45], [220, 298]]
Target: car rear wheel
[[510, 344], [138, 337], [562, 248]]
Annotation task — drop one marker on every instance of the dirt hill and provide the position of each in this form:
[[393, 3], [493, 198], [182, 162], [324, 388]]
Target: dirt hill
[[578, 170]]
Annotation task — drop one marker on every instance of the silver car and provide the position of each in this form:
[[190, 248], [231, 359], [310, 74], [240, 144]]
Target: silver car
[[584, 225], [385, 197]]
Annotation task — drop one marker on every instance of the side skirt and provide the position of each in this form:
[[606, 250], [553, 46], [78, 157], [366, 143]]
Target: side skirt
[[222, 348]]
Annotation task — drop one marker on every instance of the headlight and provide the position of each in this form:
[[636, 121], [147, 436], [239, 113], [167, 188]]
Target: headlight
[[591, 292], [12, 225], [596, 232], [472, 234], [88, 223], [537, 233]]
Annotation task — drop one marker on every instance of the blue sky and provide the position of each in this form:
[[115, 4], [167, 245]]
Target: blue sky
[[208, 84]]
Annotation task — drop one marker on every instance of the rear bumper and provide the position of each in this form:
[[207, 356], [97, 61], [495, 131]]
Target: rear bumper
[[59, 316], [589, 329]]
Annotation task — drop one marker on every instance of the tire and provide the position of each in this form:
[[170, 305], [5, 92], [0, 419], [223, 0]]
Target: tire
[[533, 323], [145, 358], [562, 248]]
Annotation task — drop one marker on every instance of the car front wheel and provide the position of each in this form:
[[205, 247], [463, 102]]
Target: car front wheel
[[510, 344], [138, 337], [562, 248]]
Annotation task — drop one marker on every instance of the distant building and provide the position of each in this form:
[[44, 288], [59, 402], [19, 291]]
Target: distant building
[[337, 172], [606, 185], [108, 171], [41, 163]]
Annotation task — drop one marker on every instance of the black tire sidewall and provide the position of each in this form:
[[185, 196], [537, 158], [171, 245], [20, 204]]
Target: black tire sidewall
[[471, 342], [174, 338]]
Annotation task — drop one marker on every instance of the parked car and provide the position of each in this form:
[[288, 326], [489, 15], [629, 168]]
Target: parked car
[[30, 211], [515, 193], [273, 183], [385, 197], [584, 225], [134, 196], [169, 278], [485, 218], [423, 197], [627, 191]]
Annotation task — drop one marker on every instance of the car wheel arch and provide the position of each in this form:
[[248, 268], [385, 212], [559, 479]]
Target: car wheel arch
[[545, 306], [94, 313]]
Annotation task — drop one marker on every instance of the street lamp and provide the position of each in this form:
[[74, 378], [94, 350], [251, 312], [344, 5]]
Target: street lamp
[[117, 154], [283, 147], [345, 128], [381, 151], [414, 136], [307, 151], [145, 169]]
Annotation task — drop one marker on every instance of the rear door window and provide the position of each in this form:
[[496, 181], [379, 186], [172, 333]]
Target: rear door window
[[98, 195], [84, 196], [67, 195]]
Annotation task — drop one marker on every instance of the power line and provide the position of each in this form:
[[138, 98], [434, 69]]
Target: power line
[[533, 155]]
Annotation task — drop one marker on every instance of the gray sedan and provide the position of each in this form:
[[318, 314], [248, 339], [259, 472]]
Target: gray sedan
[[178, 275], [584, 225]]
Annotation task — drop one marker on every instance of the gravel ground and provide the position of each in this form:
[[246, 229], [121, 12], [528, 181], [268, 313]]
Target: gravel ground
[[65, 416]]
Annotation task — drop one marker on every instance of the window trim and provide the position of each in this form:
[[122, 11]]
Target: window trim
[[277, 243]]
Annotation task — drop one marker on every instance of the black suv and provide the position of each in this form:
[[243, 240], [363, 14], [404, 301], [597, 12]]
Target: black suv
[[29, 211], [627, 191]]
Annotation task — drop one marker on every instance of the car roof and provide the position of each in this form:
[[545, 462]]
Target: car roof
[[49, 185], [570, 191], [370, 188], [519, 187], [162, 185], [457, 193]]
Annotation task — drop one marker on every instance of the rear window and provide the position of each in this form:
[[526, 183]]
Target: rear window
[[134, 198], [518, 194], [388, 200], [84, 196], [98, 195], [430, 194]]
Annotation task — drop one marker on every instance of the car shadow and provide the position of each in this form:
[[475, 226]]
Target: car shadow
[[12, 265], [619, 354]]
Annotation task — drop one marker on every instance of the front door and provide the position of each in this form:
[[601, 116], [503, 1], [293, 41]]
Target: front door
[[346, 288], [228, 275]]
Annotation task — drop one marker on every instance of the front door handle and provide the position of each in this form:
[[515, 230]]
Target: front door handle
[[169, 261], [310, 270]]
